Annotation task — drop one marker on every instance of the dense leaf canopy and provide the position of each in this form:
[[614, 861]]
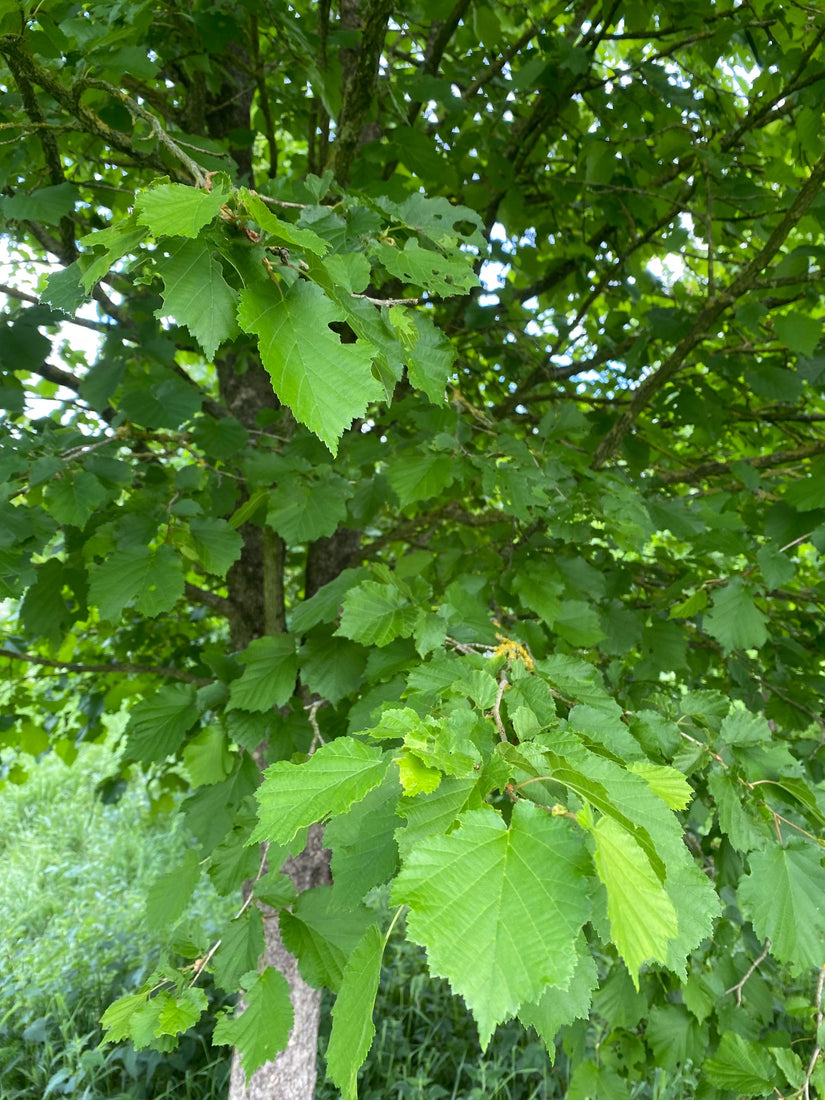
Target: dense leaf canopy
[[426, 404]]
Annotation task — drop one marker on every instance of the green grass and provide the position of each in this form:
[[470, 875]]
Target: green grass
[[73, 877]]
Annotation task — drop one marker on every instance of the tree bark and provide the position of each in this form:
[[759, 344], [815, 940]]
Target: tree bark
[[291, 1076], [255, 586]]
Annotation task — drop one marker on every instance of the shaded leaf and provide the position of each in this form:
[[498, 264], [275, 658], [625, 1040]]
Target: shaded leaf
[[783, 894], [268, 680], [262, 1029]]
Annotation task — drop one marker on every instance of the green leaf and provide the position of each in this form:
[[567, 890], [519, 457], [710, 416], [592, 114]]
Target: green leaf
[[558, 1007], [169, 895], [118, 1017], [429, 357], [675, 1037], [735, 621], [46, 204], [642, 916], [437, 274], [223, 438], [783, 895], [352, 1026], [196, 294], [776, 568], [75, 497], [324, 382], [262, 1029], [499, 910], [324, 606], [43, 611], [268, 680], [242, 944], [740, 727], [153, 579], [432, 814], [742, 1067], [665, 782], [163, 402], [116, 241], [207, 756], [739, 826], [64, 290], [175, 210], [419, 476], [798, 332], [322, 934], [808, 493], [302, 510], [216, 544], [376, 614], [293, 796], [284, 232], [364, 852], [689, 607], [348, 270], [437, 217], [181, 1012], [332, 667], [157, 725]]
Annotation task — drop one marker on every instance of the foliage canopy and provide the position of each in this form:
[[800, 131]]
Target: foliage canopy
[[450, 446]]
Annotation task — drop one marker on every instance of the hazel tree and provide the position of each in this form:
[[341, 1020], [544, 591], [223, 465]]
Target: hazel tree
[[412, 423]]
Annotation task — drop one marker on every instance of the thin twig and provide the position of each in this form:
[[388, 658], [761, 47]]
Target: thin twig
[[741, 983], [496, 711], [796, 542], [470, 648], [201, 964], [393, 301], [312, 714], [702, 744]]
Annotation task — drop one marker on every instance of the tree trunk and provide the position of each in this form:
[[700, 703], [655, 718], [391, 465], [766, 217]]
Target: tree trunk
[[255, 586], [291, 1076]]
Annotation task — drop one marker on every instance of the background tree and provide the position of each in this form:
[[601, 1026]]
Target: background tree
[[544, 651]]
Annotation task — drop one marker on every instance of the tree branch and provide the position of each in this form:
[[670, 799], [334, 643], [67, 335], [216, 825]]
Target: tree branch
[[263, 99], [360, 87], [217, 603], [709, 314], [51, 151], [758, 462], [441, 33], [495, 67], [817, 1051], [72, 666], [14, 50], [83, 322]]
